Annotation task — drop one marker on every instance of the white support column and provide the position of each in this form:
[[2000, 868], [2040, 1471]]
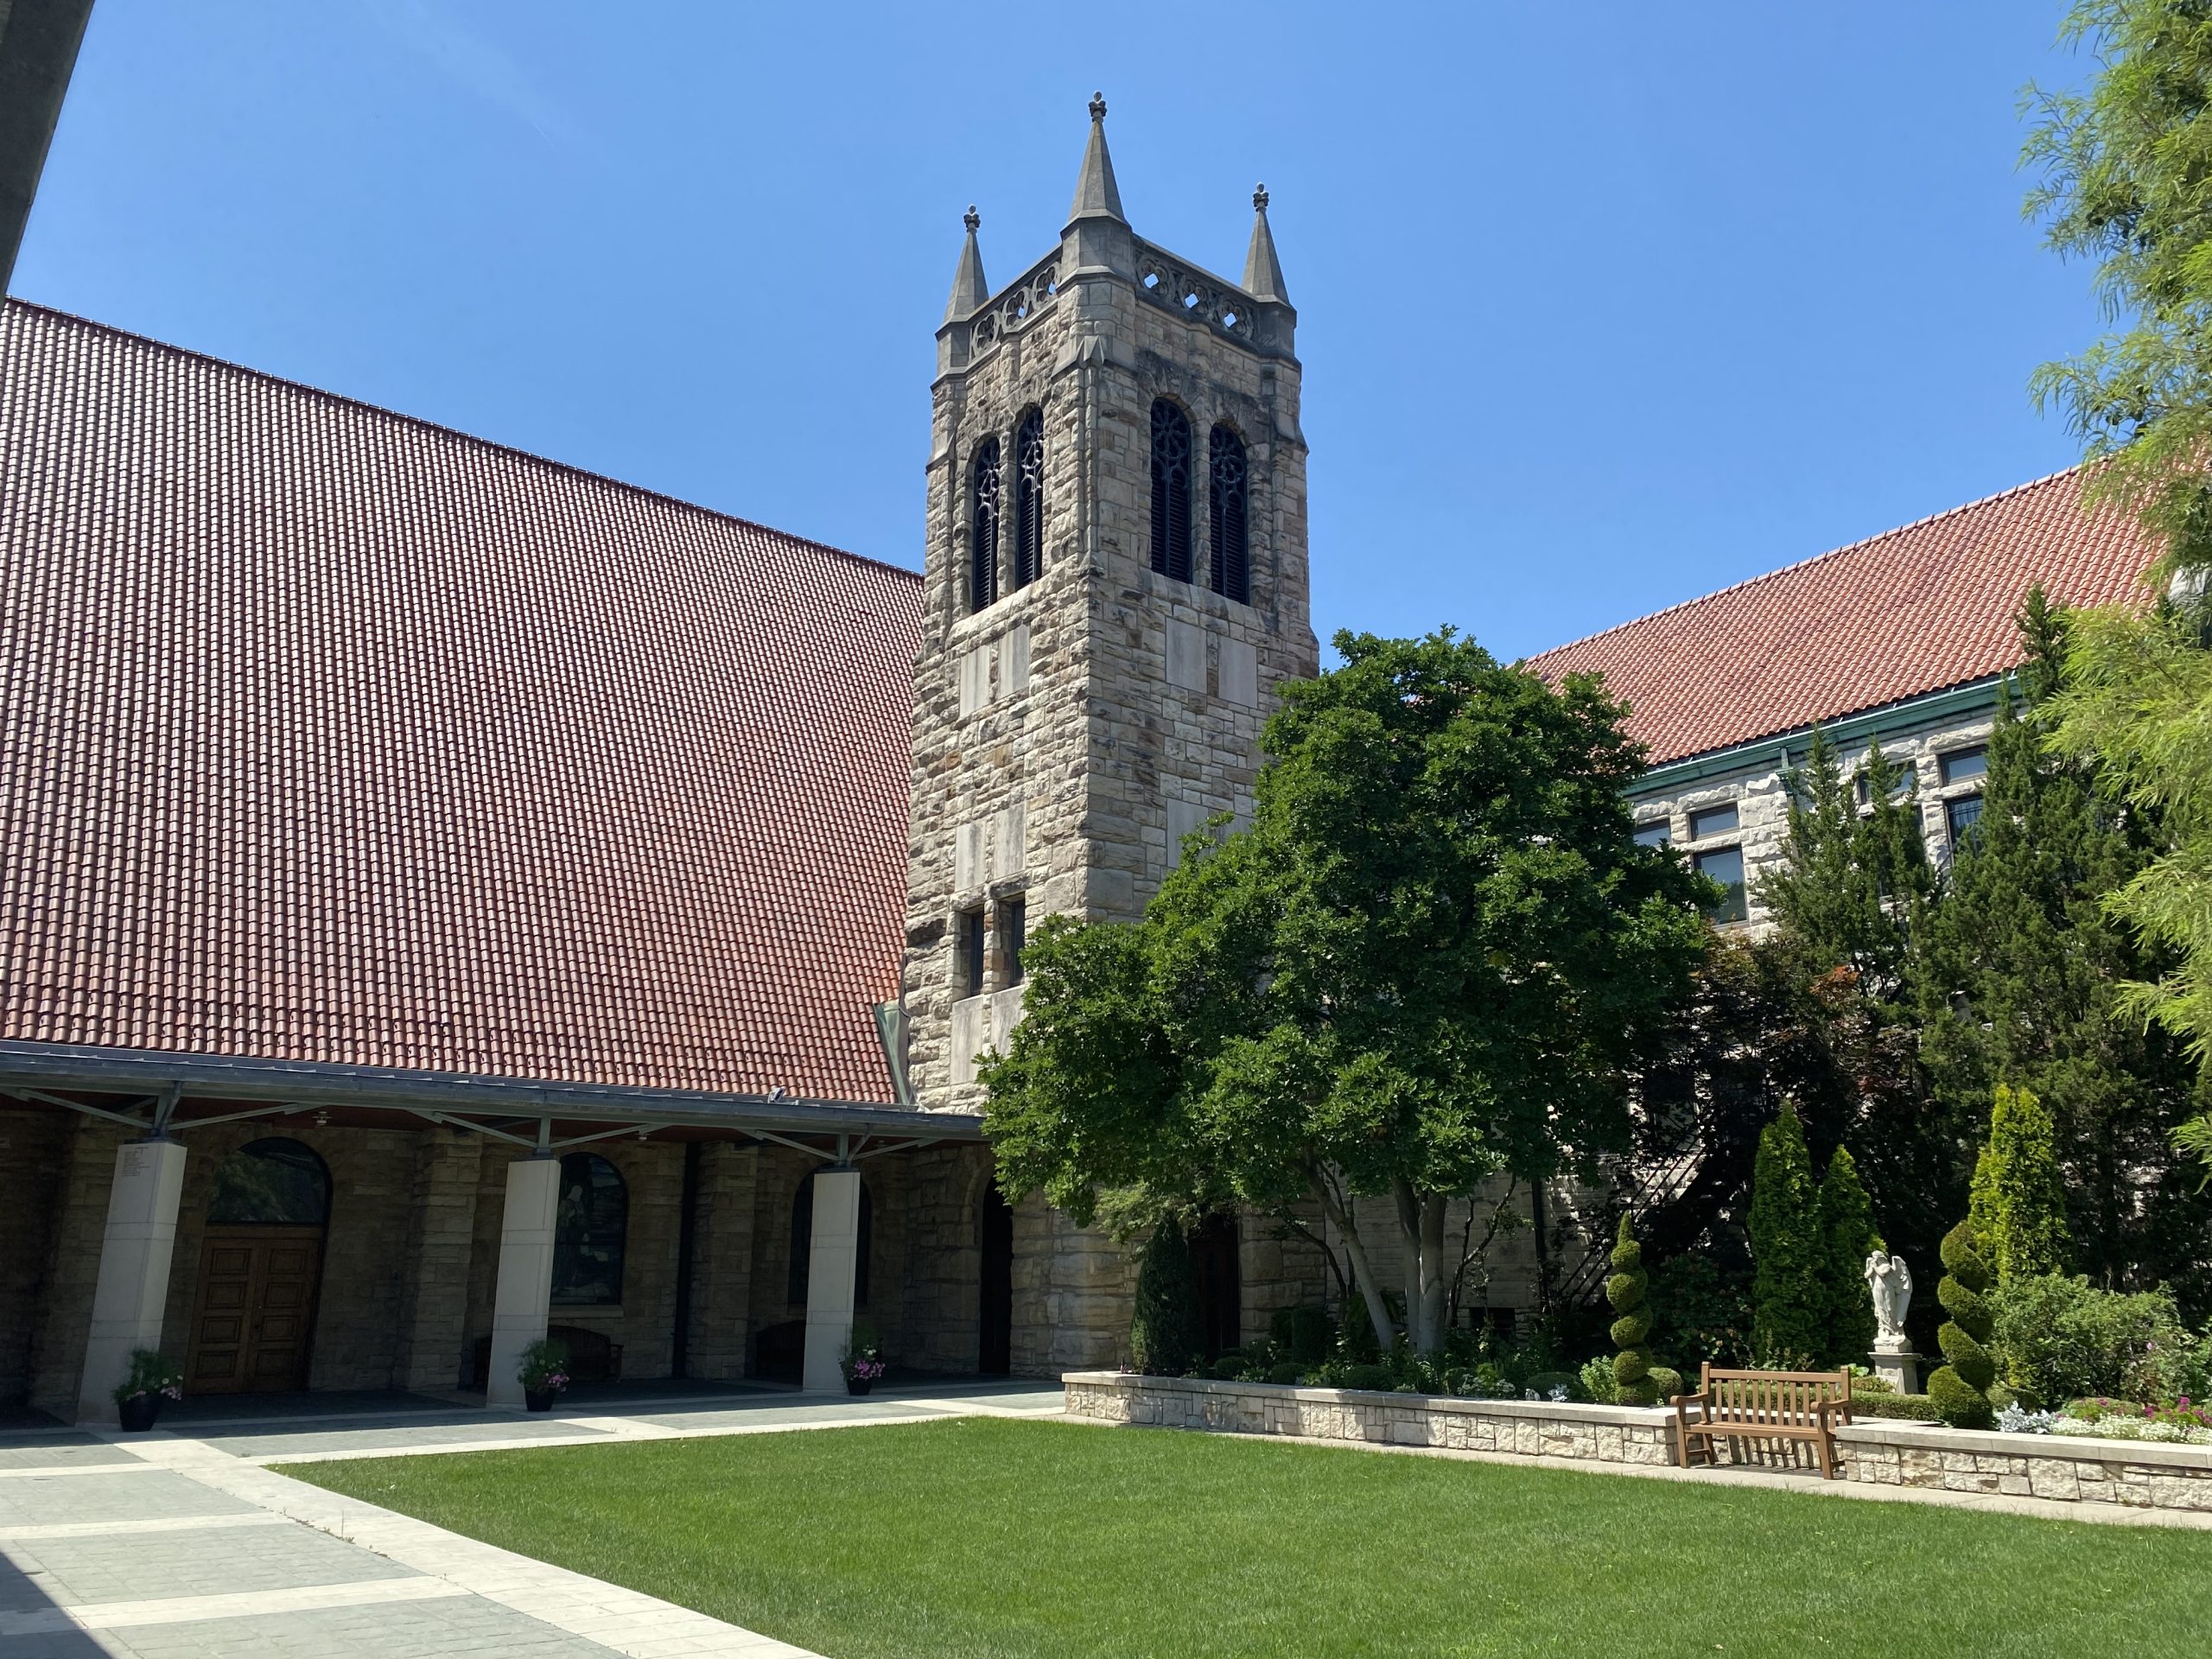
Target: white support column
[[524, 1296], [133, 1286], [833, 1259]]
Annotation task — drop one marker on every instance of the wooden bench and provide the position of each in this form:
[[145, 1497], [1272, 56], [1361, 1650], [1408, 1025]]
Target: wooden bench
[[1770, 1406]]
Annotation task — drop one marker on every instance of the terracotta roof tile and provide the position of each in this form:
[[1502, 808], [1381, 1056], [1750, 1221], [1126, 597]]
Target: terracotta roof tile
[[329, 735], [1912, 611]]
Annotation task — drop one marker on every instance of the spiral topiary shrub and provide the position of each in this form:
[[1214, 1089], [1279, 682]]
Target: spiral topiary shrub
[[1627, 1290], [1959, 1390]]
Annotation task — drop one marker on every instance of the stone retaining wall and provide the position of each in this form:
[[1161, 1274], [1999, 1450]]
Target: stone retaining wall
[[2137, 1474]]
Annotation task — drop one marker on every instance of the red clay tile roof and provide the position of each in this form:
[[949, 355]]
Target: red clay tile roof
[[328, 735], [1910, 611]]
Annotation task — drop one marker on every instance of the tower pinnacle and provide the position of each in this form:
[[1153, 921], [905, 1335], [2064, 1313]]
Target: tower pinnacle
[[1263, 269], [969, 290], [1097, 195]]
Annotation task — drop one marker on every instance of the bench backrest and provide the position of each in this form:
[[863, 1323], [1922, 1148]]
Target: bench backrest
[[1778, 1398]]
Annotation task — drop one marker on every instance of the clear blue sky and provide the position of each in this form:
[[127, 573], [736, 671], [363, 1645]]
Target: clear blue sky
[[1601, 306]]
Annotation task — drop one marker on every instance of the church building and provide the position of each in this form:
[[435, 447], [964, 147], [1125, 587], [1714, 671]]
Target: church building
[[447, 898]]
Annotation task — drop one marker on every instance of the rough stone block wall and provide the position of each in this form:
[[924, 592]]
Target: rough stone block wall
[[721, 1260], [359, 1307], [2061, 1469], [941, 1267], [73, 1267], [34, 1156], [433, 1308], [1583, 1433], [644, 1323]]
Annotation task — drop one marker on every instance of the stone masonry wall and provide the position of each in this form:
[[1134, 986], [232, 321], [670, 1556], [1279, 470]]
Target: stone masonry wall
[[1069, 735], [34, 1156], [2061, 1469]]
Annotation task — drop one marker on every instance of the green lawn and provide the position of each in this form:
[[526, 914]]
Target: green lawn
[[989, 1537]]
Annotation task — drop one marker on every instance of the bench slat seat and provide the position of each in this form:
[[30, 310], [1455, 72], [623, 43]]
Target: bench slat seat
[[1762, 1405]]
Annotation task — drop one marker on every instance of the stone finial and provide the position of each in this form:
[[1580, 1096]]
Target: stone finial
[[1262, 269], [1097, 195], [970, 289]]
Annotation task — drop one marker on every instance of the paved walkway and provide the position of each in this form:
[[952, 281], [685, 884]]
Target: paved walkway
[[184, 1544]]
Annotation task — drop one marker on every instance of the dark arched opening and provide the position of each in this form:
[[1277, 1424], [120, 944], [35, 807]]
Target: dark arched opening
[[1170, 491], [1228, 525], [994, 1308], [984, 501], [1029, 499], [1213, 1263]]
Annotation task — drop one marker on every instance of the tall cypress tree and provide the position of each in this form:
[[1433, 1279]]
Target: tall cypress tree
[[1789, 1303], [2019, 1198], [2017, 979], [1847, 1237]]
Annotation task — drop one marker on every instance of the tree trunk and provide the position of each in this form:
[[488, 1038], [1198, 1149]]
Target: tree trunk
[[1420, 1227], [1363, 1270]]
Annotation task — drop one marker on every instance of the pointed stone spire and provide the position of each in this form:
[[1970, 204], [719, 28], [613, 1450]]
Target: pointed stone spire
[[1263, 269], [1097, 195], [969, 290]]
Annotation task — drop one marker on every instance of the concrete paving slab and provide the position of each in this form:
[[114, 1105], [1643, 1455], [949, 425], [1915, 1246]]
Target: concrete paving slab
[[73, 1571]]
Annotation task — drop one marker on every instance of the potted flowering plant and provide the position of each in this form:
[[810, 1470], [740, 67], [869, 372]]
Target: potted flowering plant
[[862, 1361], [151, 1380], [543, 1373]]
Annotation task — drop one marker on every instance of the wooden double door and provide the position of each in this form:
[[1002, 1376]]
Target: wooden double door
[[254, 1316]]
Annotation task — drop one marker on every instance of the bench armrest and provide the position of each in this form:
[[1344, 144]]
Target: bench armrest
[[1684, 1401]]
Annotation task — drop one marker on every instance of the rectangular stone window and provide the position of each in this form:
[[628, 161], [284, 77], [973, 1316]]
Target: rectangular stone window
[[1961, 818], [1657, 833], [1963, 764], [1725, 866], [1863, 787], [1013, 923], [968, 933], [1713, 821]]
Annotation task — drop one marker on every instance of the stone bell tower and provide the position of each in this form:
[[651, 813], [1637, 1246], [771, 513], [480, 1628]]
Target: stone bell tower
[[1116, 583]]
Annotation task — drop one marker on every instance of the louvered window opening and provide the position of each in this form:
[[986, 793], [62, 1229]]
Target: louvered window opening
[[1029, 499], [1170, 491], [983, 556], [1230, 520]]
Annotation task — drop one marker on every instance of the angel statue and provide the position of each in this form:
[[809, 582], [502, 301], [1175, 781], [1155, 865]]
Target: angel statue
[[1891, 1280]]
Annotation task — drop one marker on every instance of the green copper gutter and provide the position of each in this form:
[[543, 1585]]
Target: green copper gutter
[[1976, 697]]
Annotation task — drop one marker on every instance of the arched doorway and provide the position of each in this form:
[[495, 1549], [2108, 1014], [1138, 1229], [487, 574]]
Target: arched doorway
[[260, 1266], [1221, 1295], [995, 1304]]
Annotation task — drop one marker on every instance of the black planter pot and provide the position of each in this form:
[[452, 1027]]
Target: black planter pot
[[139, 1411], [535, 1400], [859, 1384]]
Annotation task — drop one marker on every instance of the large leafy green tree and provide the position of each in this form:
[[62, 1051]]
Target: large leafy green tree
[[2124, 164], [2021, 976], [1433, 957]]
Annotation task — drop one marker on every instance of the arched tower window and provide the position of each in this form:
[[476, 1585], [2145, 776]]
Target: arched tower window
[[803, 1244], [272, 1182], [590, 1227], [983, 568], [1029, 499], [1170, 491], [1229, 522]]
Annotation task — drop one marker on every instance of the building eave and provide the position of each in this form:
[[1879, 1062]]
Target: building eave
[[252, 1078], [1780, 750]]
